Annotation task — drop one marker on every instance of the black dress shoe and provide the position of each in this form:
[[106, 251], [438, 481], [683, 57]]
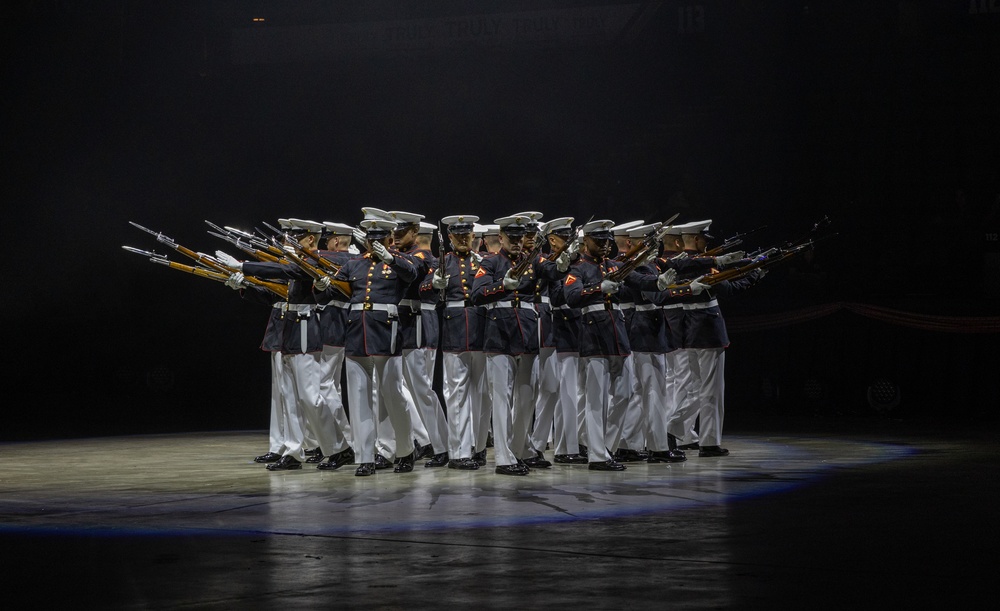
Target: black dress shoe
[[571, 459], [668, 456], [688, 446], [365, 468], [537, 461], [317, 456], [583, 450], [269, 457], [405, 464], [608, 465], [511, 470], [287, 463], [336, 461], [438, 460], [466, 464], [420, 451], [480, 458], [712, 451], [623, 455], [313, 452], [381, 462]]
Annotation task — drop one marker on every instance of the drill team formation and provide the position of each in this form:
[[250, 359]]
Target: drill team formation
[[396, 340]]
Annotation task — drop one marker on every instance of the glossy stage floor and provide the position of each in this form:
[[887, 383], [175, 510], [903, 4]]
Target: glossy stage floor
[[826, 514]]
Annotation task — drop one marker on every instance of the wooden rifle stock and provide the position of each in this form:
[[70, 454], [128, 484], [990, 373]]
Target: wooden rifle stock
[[721, 248], [522, 265], [317, 274], [637, 253], [278, 289]]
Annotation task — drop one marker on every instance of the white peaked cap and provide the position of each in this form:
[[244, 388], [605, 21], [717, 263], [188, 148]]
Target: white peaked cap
[[624, 228], [643, 230]]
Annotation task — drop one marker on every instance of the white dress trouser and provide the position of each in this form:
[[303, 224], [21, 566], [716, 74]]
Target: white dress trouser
[[568, 421], [418, 380], [301, 384], [512, 394], [650, 373], [711, 365], [460, 385], [482, 402], [278, 425], [606, 391], [331, 363], [685, 413], [547, 399], [670, 373], [701, 391], [634, 423], [374, 385]]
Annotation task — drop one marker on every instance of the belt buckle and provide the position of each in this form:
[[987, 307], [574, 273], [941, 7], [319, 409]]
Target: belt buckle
[[367, 307]]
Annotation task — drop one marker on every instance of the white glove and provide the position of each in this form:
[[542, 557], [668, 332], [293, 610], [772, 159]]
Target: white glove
[[380, 251], [697, 286], [477, 257], [679, 256], [509, 283], [440, 282], [609, 287], [666, 279], [648, 257], [573, 248], [321, 284], [236, 281], [228, 260], [359, 235], [562, 262], [730, 257]]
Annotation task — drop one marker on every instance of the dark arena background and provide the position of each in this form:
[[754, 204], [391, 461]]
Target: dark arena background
[[882, 116]]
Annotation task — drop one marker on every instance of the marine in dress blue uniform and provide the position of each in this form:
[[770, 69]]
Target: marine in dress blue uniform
[[510, 341], [333, 325], [301, 347], [702, 381], [378, 280], [603, 341], [461, 333], [419, 328], [558, 234], [634, 423]]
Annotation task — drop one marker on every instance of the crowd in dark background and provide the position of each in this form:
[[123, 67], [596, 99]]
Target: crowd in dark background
[[881, 115]]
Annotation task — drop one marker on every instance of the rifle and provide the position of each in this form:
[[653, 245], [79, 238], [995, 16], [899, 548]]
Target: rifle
[[577, 236], [248, 243], [522, 265], [278, 289], [729, 243], [187, 252], [260, 255], [440, 257], [765, 259], [326, 264], [638, 252], [313, 271]]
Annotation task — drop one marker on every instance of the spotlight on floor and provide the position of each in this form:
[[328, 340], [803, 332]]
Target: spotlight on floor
[[883, 395]]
